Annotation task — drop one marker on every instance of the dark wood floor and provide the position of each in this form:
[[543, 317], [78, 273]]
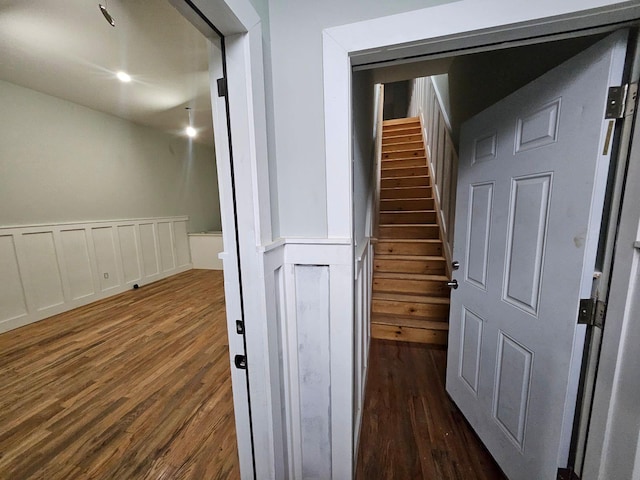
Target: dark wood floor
[[133, 387], [411, 429]]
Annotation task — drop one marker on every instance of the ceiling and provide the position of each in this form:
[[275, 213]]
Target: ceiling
[[66, 48]]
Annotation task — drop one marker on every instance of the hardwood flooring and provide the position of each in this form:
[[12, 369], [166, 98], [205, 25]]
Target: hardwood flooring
[[136, 386], [410, 428]]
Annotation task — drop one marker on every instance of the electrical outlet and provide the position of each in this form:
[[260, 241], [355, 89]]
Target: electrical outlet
[[106, 275]]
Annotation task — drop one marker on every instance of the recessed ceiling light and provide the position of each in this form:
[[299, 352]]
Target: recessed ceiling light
[[123, 77], [191, 132]]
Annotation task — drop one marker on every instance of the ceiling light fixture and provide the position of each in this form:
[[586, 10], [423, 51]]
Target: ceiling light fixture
[[123, 77], [190, 131], [107, 16]]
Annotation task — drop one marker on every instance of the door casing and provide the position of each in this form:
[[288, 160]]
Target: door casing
[[457, 28]]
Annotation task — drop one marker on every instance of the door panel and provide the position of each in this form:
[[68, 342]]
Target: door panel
[[532, 178]]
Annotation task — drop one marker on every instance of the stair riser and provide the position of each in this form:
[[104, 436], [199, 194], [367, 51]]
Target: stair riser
[[425, 232], [411, 192], [392, 125], [392, 147], [410, 153], [426, 267], [404, 205], [393, 138], [409, 334], [420, 170], [408, 248], [420, 217], [405, 182], [403, 163], [415, 310], [429, 288], [397, 130]]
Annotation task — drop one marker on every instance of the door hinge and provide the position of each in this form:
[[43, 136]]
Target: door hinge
[[591, 312], [222, 87], [567, 474], [621, 101], [239, 327], [240, 362]]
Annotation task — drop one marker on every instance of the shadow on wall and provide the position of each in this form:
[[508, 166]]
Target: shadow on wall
[[396, 99], [479, 80]]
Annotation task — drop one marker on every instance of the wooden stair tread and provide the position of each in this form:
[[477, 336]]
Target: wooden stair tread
[[409, 211], [401, 297], [391, 256], [405, 240], [402, 321], [411, 177], [411, 276], [402, 199], [405, 188], [408, 225], [410, 157], [400, 121], [392, 135]]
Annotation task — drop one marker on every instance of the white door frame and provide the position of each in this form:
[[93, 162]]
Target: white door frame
[[241, 27], [435, 31]]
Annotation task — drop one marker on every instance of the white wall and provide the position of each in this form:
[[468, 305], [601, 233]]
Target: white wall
[[363, 150], [296, 55], [61, 162]]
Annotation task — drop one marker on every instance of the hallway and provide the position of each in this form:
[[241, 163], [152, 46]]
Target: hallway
[[410, 428]]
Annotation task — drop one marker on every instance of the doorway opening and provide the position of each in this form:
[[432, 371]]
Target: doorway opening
[[485, 78], [124, 204]]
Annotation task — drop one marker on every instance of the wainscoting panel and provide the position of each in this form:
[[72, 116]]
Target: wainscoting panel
[[13, 304], [362, 331], [313, 293], [77, 264], [129, 253], [165, 236], [42, 267], [181, 241], [149, 249], [104, 245], [49, 269]]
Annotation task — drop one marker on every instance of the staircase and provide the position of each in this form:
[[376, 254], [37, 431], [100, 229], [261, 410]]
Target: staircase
[[410, 294]]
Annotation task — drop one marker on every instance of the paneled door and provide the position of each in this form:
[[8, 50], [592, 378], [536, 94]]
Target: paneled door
[[531, 188]]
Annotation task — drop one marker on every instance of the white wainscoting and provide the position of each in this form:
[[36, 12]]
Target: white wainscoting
[[443, 158], [311, 286], [49, 269], [362, 333], [205, 248]]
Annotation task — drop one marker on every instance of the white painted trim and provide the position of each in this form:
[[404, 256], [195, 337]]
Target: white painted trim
[[337, 103], [469, 23], [240, 25]]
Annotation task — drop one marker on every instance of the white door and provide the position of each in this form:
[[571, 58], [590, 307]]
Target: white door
[[531, 185]]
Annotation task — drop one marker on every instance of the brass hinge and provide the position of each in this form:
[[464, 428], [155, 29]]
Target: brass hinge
[[591, 312], [621, 101]]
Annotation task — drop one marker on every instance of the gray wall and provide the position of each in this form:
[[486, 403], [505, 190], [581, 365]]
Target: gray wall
[[296, 60], [363, 148], [262, 8], [61, 162], [479, 80]]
